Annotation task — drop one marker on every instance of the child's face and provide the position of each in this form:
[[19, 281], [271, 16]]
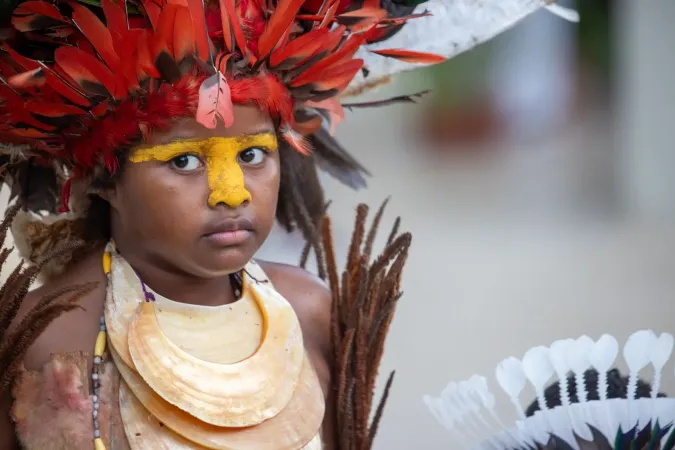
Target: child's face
[[202, 200]]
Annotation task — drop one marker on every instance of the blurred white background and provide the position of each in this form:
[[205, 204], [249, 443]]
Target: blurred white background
[[536, 181]]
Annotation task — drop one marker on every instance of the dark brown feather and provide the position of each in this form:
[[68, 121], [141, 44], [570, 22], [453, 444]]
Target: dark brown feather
[[334, 159]]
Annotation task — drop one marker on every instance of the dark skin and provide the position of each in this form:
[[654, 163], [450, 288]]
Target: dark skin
[[166, 245]]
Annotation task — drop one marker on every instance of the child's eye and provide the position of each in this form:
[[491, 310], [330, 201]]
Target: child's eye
[[252, 156], [186, 162]]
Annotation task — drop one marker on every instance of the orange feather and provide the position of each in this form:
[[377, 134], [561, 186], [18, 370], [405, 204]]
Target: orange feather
[[278, 24], [410, 56], [202, 40], [98, 34], [89, 73]]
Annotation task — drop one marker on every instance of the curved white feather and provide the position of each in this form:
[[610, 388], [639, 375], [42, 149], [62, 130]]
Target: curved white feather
[[454, 27]]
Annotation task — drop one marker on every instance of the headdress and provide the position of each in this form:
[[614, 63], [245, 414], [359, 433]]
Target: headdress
[[81, 81], [590, 406]]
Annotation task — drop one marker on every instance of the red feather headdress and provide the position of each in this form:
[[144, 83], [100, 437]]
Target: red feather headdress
[[81, 83]]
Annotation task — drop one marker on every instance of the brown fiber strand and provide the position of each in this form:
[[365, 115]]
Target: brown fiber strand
[[357, 236], [372, 234], [11, 297], [401, 242], [364, 281], [10, 214], [380, 341], [373, 294], [394, 231], [331, 263], [348, 427], [344, 303], [344, 365], [28, 337], [361, 404], [393, 278], [380, 410], [364, 300], [333, 282], [12, 348], [4, 254]]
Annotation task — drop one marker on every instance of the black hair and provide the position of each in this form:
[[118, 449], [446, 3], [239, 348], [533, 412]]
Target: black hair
[[300, 205], [616, 383]]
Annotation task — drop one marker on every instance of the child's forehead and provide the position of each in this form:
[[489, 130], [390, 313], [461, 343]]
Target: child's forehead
[[248, 121]]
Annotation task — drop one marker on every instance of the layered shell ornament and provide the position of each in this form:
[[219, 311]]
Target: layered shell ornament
[[240, 383]]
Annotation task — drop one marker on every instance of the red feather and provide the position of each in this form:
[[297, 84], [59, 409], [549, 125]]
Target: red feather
[[345, 52], [53, 109], [88, 72], [297, 141], [232, 27], [333, 107], [201, 34], [97, 33], [309, 126], [411, 57], [362, 19], [145, 65], [29, 79], [299, 49], [101, 109], [153, 11], [278, 24], [37, 15], [183, 35], [330, 15], [116, 22], [24, 62], [337, 76], [164, 32], [62, 88]]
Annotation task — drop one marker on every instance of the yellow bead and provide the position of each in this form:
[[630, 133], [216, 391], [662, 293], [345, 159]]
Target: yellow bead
[[99, 348], [98, 444], [107, 262]]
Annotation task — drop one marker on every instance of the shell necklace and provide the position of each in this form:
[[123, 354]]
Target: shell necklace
[[189, 383]]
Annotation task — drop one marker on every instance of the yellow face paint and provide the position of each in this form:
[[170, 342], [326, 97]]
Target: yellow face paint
[[220, 155]]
